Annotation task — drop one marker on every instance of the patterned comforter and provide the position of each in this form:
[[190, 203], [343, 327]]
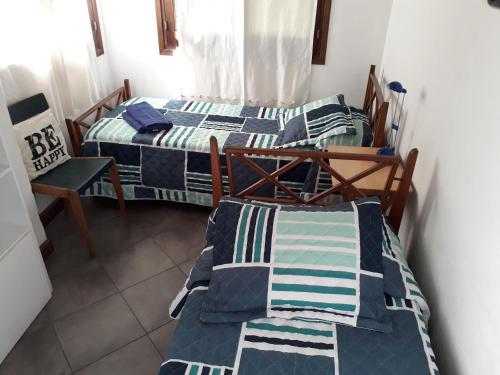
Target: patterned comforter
[[274, 346], [175, 165]]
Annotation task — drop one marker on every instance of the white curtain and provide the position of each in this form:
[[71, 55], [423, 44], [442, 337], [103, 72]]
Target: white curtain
[[256, 52], [47, 47]]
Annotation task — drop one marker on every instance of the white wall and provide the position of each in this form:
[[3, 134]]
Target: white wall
[[356, 40], [447, 54], [131, 42]]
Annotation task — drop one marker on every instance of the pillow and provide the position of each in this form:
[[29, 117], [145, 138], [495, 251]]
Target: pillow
[[399, 280], [304, 262], [42, 144], [315, 121]]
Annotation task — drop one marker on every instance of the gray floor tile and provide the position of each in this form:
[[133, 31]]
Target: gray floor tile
[[183, 241], [41, 321], [143, 260], [137, 358], [79, 288], [186, 267], [117, 235], [151, 299], [162, 336], [37, 353], [70, 252], [97, 330]]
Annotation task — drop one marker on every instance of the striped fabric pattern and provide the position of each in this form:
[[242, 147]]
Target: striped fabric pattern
[[179, 367], [290, 336], [316, 260], [308, 263], [312, 105], [253, 237], [193, 125], [315, 123]]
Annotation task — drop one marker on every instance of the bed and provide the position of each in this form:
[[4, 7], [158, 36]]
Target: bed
[[175, 165], [257, 342]]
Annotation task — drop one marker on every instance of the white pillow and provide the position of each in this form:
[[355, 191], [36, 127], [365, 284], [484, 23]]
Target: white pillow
[[42, 144]]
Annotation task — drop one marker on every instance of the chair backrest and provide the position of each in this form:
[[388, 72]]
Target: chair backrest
[[27, 108]]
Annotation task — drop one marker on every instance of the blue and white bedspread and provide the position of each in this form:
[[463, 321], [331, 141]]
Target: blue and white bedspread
[[175, 165], [274, 346]]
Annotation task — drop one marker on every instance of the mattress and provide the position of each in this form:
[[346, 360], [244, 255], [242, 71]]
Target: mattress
[[175, 165]]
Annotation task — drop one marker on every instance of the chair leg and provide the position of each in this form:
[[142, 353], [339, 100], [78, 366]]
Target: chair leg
[[76, 205], [115, 179]]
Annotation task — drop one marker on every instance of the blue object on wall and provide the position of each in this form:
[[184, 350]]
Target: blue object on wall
[[398, 88]]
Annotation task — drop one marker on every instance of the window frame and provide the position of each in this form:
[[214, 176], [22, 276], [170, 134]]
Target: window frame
[[321, 26], [165, 22], [95, 27]]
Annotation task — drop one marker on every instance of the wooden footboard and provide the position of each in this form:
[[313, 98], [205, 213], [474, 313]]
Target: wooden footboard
[[393, 191], [94, 113]]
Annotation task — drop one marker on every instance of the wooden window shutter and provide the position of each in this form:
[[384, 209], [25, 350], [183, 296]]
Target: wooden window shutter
[[165, 20], [96, 27], [321, 31]]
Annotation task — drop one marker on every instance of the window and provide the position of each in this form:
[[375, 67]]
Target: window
[[165, 20], [321, 31], [96, 27]]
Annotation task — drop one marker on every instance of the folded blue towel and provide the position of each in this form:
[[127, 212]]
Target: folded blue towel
[[144, 118]]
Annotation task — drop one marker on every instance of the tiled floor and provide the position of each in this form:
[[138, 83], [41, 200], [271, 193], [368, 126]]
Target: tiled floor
[[109, 315]]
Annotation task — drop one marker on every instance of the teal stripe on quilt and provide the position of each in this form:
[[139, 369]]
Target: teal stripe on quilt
[[327, 258], [339, 218], [315, 242], [245, 213], [316, 229], [314, 289], [101, 127], [314, 273], [194, 369], [322, 305], [259, 230], [289, 329]]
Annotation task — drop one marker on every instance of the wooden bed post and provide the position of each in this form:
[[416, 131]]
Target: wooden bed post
[[379, 126], [218, 189], [74, 136], [376, 108], [128, 93], [396, 212], [369, 89]]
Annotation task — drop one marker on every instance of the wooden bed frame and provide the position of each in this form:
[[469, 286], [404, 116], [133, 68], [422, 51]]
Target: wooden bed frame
[[374, 105], [393, 204]]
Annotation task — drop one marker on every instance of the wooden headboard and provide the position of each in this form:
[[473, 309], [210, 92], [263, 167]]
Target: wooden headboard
[[107, 104], [393, 203]]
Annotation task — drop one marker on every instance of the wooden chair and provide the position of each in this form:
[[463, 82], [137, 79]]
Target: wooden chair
[[73, 177]]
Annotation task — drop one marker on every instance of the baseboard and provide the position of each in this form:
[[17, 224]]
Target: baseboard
[[46, 248], [52, 210]]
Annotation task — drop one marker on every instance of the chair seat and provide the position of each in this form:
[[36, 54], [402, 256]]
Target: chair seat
[[76, 173]]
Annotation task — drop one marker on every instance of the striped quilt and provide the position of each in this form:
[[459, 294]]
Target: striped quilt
[[276, 346], [175, 165]]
